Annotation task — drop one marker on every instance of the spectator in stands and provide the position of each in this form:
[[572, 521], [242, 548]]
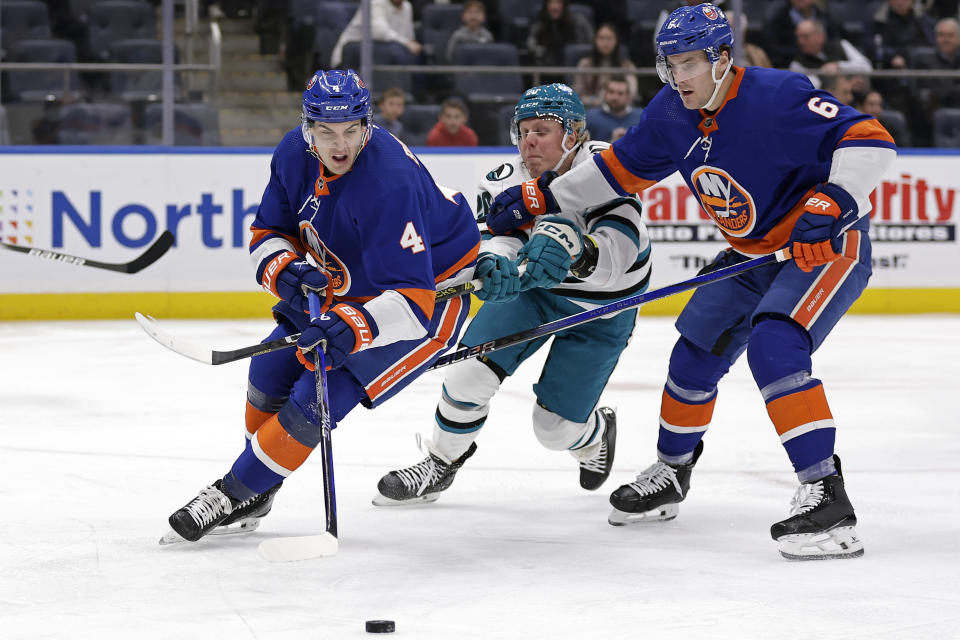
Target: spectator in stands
[[871, 103], [782, 27], [605, 53], [898, 25], [390, 21], [615, 115], [554, 29], [754, 55], [837, 83], [390, 110], [473, 30], [815, 50], [942, 92], [451, 129]]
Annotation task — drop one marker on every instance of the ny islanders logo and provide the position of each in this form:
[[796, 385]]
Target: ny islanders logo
[[730, 205], [710, 12], [337, 271]]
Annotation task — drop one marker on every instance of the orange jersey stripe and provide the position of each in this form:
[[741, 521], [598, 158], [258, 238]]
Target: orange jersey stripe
[[280, 446], [423, 298], [421, 354], [629, 182], [867, 130], [681, 414], [826, 285], [798, 409], [469, 257], [255, 418]]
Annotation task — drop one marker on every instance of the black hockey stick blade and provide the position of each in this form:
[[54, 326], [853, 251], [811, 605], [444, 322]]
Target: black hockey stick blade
[[153, 253]]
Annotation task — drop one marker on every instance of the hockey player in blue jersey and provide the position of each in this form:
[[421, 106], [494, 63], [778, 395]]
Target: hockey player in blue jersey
[[588, 258], [776, 164], [351, 213]]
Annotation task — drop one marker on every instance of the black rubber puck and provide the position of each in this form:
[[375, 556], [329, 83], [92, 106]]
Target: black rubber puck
[[381, 626]]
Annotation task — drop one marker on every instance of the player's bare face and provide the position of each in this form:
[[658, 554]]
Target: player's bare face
[[692, 72], [540, 141], [338, 143]]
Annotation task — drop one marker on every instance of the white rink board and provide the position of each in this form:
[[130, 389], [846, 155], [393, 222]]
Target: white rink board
[[109, 204]]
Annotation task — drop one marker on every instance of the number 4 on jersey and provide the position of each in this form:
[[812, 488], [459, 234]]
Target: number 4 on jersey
[[410, 239]]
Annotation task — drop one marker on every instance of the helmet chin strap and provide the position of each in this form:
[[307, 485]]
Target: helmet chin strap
[[566, 152], [717, 83]]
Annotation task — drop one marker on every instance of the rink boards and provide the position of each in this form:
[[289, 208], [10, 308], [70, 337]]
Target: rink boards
[[110, 203]]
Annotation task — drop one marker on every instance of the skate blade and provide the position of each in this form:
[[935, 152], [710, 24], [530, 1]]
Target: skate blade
[[383, 501], [248, 525], [838, 543], [661, 514]]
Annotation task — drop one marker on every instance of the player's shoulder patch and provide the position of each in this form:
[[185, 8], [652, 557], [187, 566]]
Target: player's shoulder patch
[[502, 172]]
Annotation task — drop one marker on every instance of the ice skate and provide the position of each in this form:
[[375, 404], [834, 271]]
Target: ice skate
[[421, 482], [822, 523], [595, 470], [244, 517], [655, 495]]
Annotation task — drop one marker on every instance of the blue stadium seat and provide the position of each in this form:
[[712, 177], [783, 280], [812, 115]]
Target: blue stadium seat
[[417, 121], [439, 22], [383, 53], [95, 123], [487, 86], [332, 19], [137, 85], [22, 20], [42, 85], [115, 20], [194, 125], [896, 124], [4, 127], [583, 9], [946, 127]]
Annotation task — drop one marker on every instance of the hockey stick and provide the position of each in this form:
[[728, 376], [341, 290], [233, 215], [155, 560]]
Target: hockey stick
[[207, 356], [621, 305], [325, 544], [153, 253]]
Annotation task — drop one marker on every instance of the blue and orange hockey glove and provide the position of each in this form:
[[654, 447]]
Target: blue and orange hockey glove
[[500, 278], [290, 278], [347, 328], [519, 204], [815, 239]]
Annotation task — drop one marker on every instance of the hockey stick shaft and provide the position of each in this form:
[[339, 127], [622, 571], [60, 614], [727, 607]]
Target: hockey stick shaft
[[153, 253], [323, 419], [621, 305]]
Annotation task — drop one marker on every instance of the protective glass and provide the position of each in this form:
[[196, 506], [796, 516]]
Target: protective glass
[[323, 137]]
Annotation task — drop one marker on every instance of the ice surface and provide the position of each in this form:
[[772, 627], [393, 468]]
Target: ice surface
[[105, 433]]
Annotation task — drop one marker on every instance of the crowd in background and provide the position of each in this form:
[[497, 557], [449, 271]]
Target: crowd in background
[[836, 43]]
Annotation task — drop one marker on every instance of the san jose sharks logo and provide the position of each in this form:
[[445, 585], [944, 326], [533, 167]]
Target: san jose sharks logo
[[335, 269], [730, 205]]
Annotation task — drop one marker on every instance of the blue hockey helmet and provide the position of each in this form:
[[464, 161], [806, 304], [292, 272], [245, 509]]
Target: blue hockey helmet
[[555, 101], [334, 96], [703, 27]]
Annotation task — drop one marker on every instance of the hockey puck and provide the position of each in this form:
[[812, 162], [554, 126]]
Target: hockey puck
[[381, 626]]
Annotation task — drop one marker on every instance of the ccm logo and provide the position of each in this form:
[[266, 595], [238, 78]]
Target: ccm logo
[[817, 203], [338, 107]]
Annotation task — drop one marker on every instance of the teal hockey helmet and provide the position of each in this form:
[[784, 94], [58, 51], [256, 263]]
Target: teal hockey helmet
[[555, 101]]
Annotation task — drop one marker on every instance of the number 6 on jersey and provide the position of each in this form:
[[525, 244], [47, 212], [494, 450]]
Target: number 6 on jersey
[[410, 239]]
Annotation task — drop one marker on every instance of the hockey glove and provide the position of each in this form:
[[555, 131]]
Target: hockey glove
[[500, 277], [555, 244], [347, 328], [519, 204], [289, 279], [816, 236]]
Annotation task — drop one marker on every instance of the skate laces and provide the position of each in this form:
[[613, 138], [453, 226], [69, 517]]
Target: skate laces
[[597, 463], [423, 474], [654, 478], [210, 504], [806, 498]]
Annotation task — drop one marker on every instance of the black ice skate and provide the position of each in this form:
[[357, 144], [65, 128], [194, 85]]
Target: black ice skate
[[247, 515], [420, 483], [655, 494], [196, 518], [595, 471], [822, 523]]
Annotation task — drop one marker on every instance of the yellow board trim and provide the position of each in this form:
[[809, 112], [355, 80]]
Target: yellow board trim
[[104, 306]]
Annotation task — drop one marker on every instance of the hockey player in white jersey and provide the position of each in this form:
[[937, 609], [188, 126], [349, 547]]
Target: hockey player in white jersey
[[587, 258]]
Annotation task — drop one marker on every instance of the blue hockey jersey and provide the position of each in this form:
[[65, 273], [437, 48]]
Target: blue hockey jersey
[[752, 163], [383, 227]]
